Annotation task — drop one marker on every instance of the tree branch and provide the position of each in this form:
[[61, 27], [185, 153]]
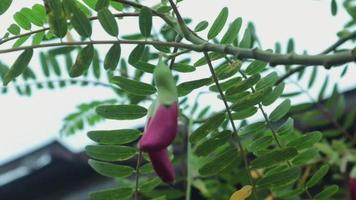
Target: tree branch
[[241, 53], [333, 47]]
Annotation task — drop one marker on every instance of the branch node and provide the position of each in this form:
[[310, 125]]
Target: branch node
[[226, 48], [254, 52], [327, 64]]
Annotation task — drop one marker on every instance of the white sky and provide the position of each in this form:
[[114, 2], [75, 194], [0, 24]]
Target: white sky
[[27, 123]]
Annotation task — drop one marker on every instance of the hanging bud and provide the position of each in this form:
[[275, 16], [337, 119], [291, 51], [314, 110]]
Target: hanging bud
[[159, 159], [162, 165], [166, 87], [161, 130]]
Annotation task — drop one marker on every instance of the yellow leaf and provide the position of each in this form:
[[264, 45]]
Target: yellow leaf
[[242, 194]]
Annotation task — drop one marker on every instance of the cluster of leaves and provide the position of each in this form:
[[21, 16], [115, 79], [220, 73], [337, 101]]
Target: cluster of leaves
[[267, 158]]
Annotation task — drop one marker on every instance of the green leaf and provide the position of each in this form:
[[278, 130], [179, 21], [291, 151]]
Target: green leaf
[[121, 112], [274, 95], [20, 41], [108, 22], [162, 48], [244, 85], [343, 73], [111, 194], [280, 111], [133, 86], [251, 100], [255, 67], [232, 32], [116, 5], [112, 58], [246, 40], [333, 7], [213, 56], [110, 170], [279, 178], [149, 184], [291, 94], [40, 11], [317, 176], [110, 152], [14, 29], [144, 66], [3, 70], [145, 21], [136, 54], [61, 51], [57, 23], [244, 113], [182, 67], [218, 23], [218, 163], [290, 46], [120, 136], [260, 143], [312, 77], [323, 88], [201, 26], [83, 61], [227, 70], [164, 9], [226, 85], [327, 192], [55, 65], [81, 23], [287, 127], [304, 157], [306, 141], [187, 87], [32, 16], [211, 144], [37, 38], [91, 3], [267, 81], [44, 64], [96, 65], [22, 21], [101, 4], [4, 5], [19, 66], [274, 157], [252, 128], [211, 124]]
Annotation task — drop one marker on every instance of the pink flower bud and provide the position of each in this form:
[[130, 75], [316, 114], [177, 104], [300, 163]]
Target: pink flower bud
[[162, 165], [352, 188], [162, 129]]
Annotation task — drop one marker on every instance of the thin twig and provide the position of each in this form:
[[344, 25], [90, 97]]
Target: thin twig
[[137, 181], [178, 39], [235, 132]]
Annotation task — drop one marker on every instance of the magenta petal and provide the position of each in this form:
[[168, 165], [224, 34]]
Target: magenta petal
[[162, 129], [162, 165], [352, 188]]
